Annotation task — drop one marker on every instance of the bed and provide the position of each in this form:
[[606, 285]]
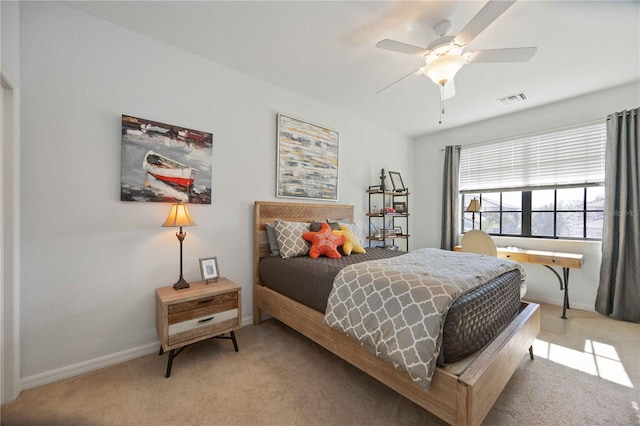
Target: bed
[[463, 398]]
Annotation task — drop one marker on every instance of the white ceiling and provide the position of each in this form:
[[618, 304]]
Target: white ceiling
[[325, 50]]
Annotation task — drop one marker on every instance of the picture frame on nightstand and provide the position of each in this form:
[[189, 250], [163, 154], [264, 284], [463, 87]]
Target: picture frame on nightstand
[[209, 270]]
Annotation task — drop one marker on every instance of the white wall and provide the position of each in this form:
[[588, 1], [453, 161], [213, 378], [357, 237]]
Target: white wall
[[9, 36], [428, 166], [90, 263], [9, 201]]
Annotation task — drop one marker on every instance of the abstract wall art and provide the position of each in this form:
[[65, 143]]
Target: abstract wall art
[[307, 160]]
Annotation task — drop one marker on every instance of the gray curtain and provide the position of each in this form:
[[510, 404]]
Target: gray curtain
[[450, 197], [619, 289]]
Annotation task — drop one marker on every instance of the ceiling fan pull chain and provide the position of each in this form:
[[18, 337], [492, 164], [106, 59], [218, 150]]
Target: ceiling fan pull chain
[[441, 102]]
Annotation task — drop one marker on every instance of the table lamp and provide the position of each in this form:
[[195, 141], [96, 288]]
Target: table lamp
[[473, 207], [179, 216]]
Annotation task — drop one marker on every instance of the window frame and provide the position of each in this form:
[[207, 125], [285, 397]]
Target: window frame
[[527, 210]]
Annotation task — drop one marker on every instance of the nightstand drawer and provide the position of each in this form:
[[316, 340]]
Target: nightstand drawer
[[206, 321], [200, 308], [207, 325]]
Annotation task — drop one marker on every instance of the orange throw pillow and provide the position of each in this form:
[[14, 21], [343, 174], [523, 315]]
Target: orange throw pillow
[[324, 242]]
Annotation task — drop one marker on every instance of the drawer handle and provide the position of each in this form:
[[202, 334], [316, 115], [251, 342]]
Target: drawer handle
[[205, 320], [206, 300]]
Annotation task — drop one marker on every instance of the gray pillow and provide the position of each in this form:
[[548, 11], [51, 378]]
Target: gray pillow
[[315, 226], [273, 240], [335, 226]]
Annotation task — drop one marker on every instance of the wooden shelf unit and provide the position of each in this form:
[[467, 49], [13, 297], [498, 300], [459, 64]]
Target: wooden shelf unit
[[381, 221]]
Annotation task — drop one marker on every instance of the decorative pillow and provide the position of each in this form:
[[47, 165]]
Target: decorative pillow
[[290, 241], [352, 243], [335, 226], [347, 247], [356, 232], [273, 240], [324, 242], [316, 225]]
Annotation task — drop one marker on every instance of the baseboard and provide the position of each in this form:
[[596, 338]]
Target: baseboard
[[87, 366], [95, 364]]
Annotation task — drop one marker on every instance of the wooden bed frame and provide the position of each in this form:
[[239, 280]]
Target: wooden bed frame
[[460, 400]]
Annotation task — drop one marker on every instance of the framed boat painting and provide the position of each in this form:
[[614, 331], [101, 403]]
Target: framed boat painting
[[307, 160], [164, 162]]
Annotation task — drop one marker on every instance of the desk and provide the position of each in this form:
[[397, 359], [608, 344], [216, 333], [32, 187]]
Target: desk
[[546, 259]]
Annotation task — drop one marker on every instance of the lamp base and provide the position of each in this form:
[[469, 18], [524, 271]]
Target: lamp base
[[180, 284]]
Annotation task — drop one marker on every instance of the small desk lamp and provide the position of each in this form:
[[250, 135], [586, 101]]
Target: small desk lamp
[[179, 216], [473, 207]]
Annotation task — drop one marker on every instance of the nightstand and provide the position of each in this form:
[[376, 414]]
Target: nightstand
[[202, 311]]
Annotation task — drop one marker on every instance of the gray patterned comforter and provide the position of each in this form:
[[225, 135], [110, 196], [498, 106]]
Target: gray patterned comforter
[[396, 307]]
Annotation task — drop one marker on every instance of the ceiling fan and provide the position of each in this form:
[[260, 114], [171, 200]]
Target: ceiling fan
[[447, 55]]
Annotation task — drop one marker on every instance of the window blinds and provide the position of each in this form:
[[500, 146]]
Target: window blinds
[[571, 156]]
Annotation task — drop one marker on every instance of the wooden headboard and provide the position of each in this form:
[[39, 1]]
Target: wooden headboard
[[269, 211]]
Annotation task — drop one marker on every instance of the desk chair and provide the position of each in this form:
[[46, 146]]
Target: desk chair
[[477, 241]]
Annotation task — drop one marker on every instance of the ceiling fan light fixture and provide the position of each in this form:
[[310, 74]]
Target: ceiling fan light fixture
[[444, 68]]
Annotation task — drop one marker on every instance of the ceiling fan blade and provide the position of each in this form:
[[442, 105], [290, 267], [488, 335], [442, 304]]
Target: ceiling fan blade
[[400, 79], [449, 90], [398, 46], [489, 13], [516, 54]]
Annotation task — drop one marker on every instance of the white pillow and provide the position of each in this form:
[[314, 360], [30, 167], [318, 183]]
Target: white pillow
[[356, 231], [290, 241]]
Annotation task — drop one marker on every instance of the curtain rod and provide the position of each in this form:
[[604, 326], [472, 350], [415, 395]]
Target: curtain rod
[[524, 135]]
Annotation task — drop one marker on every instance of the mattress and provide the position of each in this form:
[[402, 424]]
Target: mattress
[[472, 320]]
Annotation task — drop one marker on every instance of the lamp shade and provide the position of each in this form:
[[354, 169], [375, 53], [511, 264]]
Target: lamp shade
[[474, 206], [444, 68], [179, 216]]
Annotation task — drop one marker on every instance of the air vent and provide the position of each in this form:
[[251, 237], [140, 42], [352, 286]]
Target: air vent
[[514, 99]]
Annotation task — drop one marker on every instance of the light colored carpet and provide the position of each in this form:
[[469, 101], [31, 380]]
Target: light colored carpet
[[586, 372]]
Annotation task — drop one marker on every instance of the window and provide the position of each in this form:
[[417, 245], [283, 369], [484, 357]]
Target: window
[[568, 213], [548, 185]]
